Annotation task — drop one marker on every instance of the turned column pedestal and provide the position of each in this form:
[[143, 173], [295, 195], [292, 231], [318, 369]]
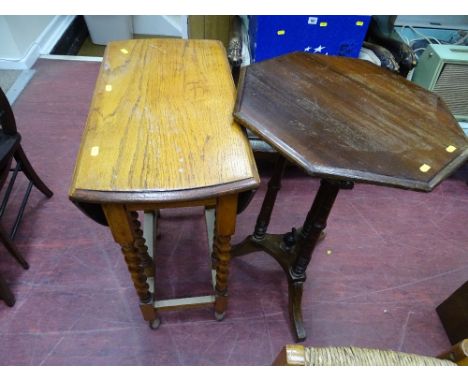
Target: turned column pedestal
[[292, 250]]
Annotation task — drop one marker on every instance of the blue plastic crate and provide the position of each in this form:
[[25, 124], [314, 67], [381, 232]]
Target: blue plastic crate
[[272, 36]]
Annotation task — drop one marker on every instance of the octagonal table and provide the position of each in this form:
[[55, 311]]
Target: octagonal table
[[343, 120]]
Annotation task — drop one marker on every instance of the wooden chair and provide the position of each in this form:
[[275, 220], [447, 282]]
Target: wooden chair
[[299, 355], [10, 148]]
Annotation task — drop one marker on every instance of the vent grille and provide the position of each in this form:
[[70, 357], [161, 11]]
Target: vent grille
[[452, 86]]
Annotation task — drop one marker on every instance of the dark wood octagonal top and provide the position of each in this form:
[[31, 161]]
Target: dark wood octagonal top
[[344, 118]]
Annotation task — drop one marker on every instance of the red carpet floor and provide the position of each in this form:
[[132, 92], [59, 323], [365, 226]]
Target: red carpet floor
[[395, 255]]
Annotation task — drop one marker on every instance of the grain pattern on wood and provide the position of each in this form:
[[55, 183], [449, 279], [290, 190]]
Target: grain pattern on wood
[[161, 121], [348, 119]]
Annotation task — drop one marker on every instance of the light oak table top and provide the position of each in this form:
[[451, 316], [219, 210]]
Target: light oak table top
[[160, 126]]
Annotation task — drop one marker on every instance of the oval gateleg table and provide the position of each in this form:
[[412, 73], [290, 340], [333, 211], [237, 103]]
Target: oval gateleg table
[[160, 134]]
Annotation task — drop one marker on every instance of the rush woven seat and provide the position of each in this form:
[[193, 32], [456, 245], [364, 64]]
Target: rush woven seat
[[298, 355], [353, 356]]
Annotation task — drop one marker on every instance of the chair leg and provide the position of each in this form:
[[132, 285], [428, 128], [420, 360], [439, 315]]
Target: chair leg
[[5, 239], [11, 183], [5, 293], [21, 211], [28, 170]]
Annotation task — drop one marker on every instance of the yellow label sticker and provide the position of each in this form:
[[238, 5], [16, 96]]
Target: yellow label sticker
[[450, 149], [359, 23], [124, 51], [323, 24], [108, 88], [281, 32], [94, 151], [424, 168]]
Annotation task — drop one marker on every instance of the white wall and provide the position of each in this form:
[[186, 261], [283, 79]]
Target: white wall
[[160, 25], [24, 38], [8, 46], [24, 31]]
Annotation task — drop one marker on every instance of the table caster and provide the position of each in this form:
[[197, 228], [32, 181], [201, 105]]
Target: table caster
[[154, 324]]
